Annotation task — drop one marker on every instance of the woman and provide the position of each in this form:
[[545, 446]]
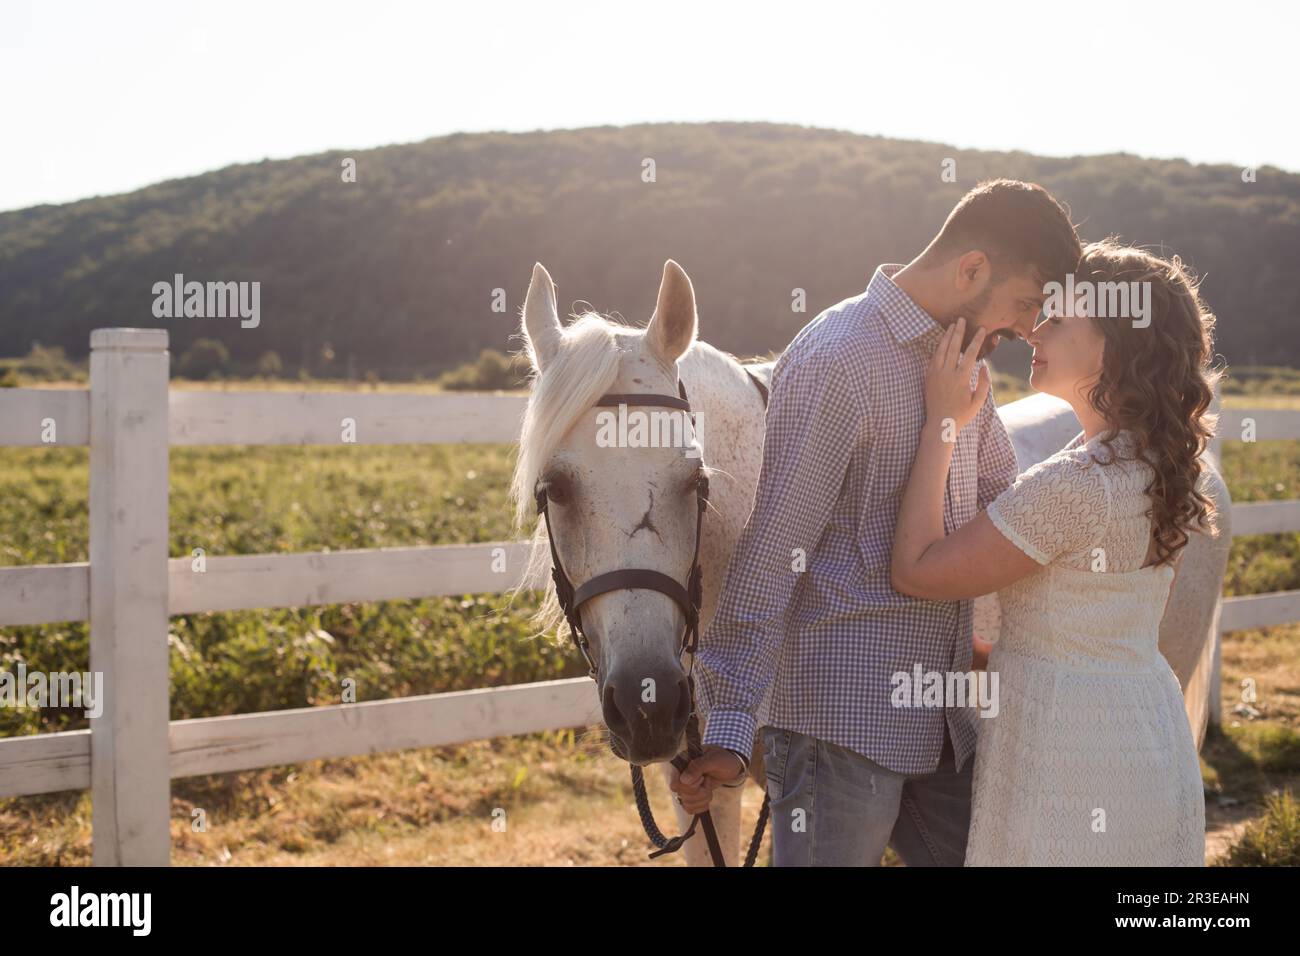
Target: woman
[[1090, 760]]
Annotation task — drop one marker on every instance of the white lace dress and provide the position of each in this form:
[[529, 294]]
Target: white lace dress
[[1090, 760]]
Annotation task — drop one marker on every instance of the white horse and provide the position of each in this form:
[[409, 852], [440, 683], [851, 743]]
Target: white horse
[[616, 508], [621, 507]]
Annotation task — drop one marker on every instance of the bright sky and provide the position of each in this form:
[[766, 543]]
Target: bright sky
[[105, 97]]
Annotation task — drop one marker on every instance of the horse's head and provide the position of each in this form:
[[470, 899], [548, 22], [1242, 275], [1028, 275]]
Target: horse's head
[[615, 500]]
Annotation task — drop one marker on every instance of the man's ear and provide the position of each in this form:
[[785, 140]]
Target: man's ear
[[974, 271]]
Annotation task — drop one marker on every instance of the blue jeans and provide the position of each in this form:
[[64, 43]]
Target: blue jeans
[[834, 807]]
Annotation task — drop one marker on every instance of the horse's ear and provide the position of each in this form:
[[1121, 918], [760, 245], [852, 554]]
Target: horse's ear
[[672, 327], [541, 320]]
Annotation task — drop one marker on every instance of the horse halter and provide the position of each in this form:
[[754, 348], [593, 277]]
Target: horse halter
[[688, 598]]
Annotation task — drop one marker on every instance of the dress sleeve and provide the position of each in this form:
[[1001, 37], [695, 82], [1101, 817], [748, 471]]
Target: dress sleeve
[[1059, 506]]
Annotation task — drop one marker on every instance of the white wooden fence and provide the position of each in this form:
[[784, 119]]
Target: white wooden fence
[[129, 587]]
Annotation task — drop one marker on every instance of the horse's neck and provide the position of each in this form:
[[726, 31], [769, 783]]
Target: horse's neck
[[730, 414]]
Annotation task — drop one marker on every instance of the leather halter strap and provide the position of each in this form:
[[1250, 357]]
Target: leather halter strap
[[614, 399], [632, 578], [688, 598]]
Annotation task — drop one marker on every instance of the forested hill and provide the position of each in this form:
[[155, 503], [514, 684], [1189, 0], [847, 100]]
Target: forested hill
[[397, 270]]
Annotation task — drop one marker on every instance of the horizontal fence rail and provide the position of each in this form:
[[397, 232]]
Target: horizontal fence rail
[[40, 594], [45, 763], [320, 418], [1268, 424], [344, 577], [51, 593], [215, 417], [27, 412], [1260, 610], [1265, 517], [279, 418]]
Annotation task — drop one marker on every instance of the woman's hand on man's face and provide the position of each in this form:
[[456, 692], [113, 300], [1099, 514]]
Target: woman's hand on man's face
[[948, 395]]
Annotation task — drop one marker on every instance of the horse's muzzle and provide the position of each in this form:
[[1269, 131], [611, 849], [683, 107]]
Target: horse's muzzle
[[646, 714]]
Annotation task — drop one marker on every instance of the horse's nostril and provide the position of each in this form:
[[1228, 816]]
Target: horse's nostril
[[614, 718]]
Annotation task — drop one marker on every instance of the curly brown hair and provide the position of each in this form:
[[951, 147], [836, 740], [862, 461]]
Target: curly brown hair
[[1157, 382]]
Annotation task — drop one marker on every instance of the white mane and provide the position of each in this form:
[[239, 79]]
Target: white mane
[[583, 369]]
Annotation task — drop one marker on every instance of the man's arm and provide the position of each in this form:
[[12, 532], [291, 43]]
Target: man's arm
[[813, 421]]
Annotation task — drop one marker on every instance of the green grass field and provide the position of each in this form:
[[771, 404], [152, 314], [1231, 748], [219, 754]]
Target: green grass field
[[253, 500]]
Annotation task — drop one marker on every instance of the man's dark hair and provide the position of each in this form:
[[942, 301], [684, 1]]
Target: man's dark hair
[[1017, 225]]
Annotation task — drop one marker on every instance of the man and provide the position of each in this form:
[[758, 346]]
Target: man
[[807, 615]]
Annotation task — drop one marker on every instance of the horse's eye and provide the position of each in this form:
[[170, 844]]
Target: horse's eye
[[557, 489]]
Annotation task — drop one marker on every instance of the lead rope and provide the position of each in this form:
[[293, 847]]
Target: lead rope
[[671, 845]]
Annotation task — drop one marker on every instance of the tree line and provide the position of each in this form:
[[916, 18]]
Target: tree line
[[421, 263]]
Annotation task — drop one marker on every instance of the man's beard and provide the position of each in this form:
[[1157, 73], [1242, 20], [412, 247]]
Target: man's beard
[[970, 310]]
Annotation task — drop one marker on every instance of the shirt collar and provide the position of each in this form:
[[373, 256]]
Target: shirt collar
[[906, 320]]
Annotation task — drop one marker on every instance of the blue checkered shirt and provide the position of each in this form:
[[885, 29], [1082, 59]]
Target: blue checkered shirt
[[808, 629]]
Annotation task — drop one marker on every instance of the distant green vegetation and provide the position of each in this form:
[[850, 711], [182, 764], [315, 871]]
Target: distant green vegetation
[[246, 501], [40, 366], [398, 273], [1262, 380], [1274, 839], [206, 358], [493, 370], [1263, 471]]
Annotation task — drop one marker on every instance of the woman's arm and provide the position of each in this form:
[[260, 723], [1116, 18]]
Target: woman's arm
[[977, 558], [1178, 563]]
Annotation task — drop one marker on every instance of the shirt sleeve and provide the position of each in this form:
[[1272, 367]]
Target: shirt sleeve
[[814, 418], [996, 461], [1059, 506]]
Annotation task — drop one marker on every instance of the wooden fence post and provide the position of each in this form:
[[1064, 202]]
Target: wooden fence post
[[129, 754]]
